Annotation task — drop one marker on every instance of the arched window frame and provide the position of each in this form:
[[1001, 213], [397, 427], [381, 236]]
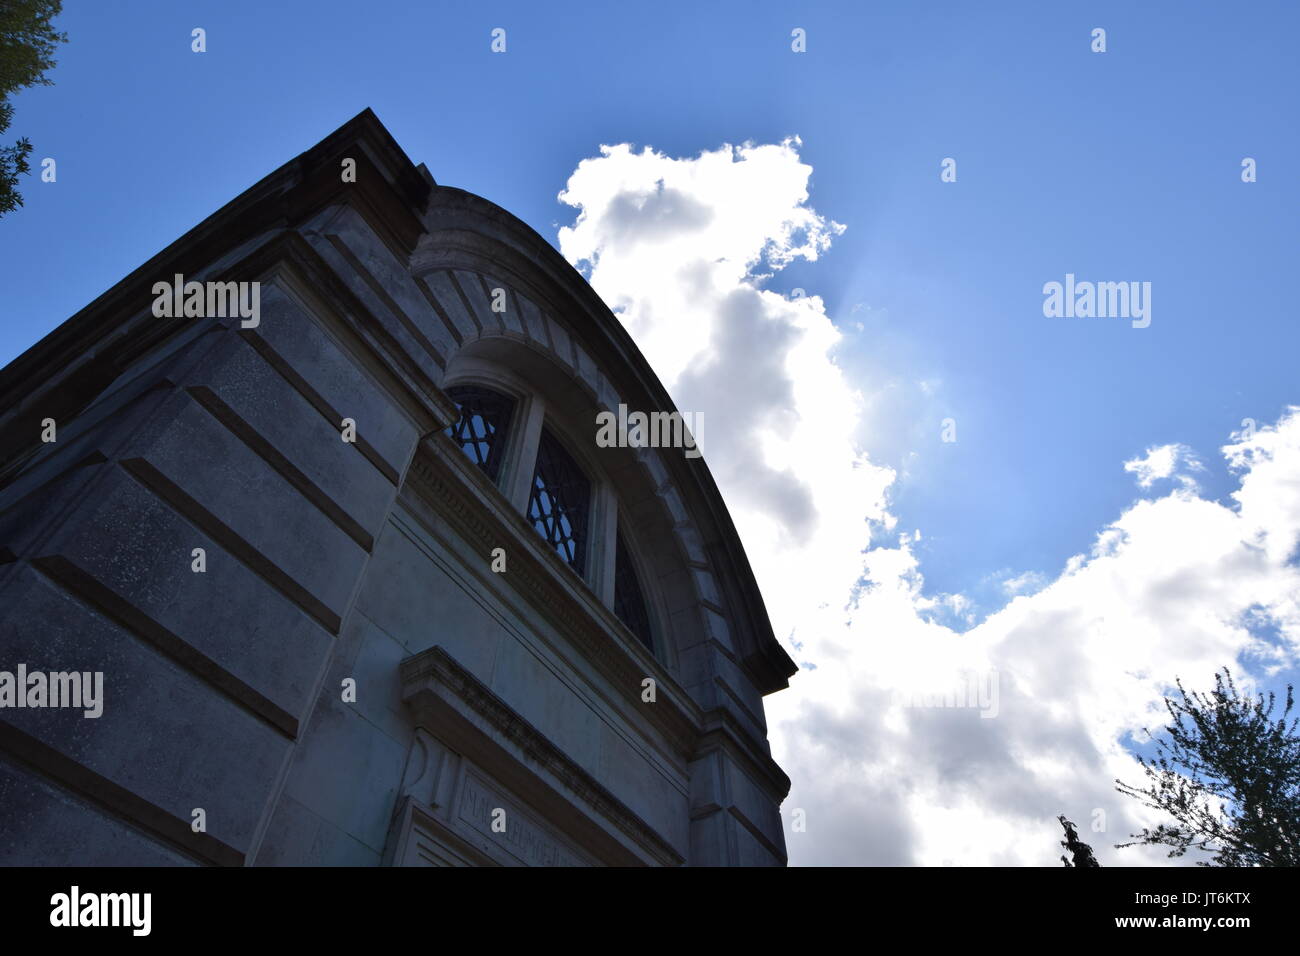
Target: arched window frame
[[605, 516], [650, 597], [521, 433], [602, 507], [501, 437]]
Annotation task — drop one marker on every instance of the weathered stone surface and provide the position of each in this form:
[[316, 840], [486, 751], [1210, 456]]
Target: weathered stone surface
[[719, 839], [471, 287], [139, 548], [719, 781], [384, 271], [533, 321], [633, 776], [312, 356], [202, 458], [298, 837], [165, 735], [415, 602], [275, 413], [47, 823], [453, 307], [379, 305], [561, 343], [541, 698], [511, 320], [349, 772], [586, 369]]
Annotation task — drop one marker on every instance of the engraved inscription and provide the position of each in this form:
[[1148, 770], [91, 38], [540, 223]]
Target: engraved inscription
[[523, 839]]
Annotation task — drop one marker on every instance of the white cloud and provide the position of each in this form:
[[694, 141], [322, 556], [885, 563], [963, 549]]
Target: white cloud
[[680, 247], [1165, 461], [677, 245]]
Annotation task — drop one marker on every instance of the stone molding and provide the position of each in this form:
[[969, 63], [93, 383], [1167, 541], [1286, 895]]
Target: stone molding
[[433, 680]]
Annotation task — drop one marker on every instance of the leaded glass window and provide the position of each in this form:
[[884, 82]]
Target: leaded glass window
[[629, 602], [481, 430], [558, 501]]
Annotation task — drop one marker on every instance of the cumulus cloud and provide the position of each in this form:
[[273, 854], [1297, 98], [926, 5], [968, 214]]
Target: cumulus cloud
[[1166, 461], [1026, 583], [680, 248], [1041, 702]]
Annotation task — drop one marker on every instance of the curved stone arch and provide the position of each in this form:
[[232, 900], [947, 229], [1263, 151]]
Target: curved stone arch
[[562, 316]]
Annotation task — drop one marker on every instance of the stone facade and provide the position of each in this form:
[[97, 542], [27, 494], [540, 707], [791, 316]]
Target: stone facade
[[347, 680]]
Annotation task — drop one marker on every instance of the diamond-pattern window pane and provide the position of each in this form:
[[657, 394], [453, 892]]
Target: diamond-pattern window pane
[[557, 505], [629, 602], [481, 430]]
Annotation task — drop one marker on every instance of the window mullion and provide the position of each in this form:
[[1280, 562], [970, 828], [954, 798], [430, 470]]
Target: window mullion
[[605, 514], [519, 478]]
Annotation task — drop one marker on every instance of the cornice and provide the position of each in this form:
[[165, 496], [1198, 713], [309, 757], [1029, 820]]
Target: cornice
[[422, 672], [723, 731]]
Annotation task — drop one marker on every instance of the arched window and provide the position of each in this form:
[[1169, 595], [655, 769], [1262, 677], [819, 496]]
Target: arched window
[[530, 436], [481, 429], [559, 500], [629, 602]]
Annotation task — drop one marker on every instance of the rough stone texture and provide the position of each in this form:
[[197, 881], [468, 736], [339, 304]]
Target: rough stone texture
[[164, 735], [326, 371], [268, 406], [141, 550], [46, 823], [232, 482]]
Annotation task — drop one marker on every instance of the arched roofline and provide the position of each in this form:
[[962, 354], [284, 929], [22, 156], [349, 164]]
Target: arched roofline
[[466, 231]]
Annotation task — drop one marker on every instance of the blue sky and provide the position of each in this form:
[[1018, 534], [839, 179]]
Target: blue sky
[[1116, 166]]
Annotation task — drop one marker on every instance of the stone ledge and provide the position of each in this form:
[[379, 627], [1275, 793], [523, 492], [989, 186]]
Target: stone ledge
[[460, 709]]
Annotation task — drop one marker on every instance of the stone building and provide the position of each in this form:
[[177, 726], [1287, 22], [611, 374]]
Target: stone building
[[361, 584]]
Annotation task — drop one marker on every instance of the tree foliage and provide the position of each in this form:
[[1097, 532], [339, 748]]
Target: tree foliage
[[1228, 775], [27, 44], [1080, 851]]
